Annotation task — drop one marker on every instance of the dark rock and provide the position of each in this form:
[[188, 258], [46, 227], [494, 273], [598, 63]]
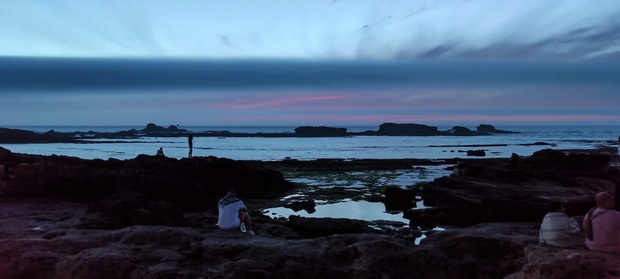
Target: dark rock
[[192, 184], [5, 155], [516, 192], [479, 153], [392, 129], [307, 205], [490, 250], [515, 159], [23, 136], [555, 160], [321, 131], [462, 131], [317, 227], [441, 216], [397, 198], [486, 128], [551, 262], [54, 234], [44, 240], [125, 134], [126, 208], [154, 129]]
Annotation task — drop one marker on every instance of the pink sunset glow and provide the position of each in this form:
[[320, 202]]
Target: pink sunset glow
[[296, 101], [318, 62]]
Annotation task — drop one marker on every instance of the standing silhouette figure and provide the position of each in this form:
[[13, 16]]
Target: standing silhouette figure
[[190, 141]]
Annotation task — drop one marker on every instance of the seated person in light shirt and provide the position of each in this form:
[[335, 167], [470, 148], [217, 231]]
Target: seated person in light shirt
[[557, 229], [602, 225], [233, 214]]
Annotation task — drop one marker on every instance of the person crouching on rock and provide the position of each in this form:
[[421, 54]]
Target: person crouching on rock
[[557, 229], [233, 214], [160, 152], [602, 225]]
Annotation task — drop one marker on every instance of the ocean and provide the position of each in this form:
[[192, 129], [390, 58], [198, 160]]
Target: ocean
[[355, 147]]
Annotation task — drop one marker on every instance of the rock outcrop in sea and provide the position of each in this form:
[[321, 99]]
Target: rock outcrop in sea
[[23, 136], [486, 128], [153, 130], [321, 131]]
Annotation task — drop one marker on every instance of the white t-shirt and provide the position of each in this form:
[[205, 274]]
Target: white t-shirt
[[228, 208], [556, 229]]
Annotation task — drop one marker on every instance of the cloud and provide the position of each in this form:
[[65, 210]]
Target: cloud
[[313, 29], [496, 30], [121, 75]]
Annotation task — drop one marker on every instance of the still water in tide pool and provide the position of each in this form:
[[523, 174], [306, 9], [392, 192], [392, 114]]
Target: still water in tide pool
[[358, 181]]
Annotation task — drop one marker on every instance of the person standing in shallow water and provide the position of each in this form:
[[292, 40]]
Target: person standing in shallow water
[[190, 142]]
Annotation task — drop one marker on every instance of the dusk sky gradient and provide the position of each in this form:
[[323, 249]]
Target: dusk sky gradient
[[309, 62]]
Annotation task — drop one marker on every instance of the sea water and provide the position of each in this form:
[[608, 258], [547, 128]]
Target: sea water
[[354, 147]]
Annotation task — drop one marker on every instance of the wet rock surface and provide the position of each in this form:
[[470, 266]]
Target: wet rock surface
[[551, 262], [149, 217], [190, 184], [509, 190]]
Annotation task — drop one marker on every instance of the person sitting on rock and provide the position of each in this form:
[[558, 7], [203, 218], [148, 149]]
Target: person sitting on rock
[[557, 229], [602, 225], [233, 214], [160, 152]]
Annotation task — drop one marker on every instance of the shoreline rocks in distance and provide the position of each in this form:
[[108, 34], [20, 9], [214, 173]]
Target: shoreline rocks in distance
[[486, 128], [153, 130], [321, 131], [23, 136]]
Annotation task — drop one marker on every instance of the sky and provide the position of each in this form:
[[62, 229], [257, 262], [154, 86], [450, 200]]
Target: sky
[[309, 62]]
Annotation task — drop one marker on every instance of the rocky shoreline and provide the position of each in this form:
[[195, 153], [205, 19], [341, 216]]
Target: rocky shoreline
[[154, 217], [153, 130]]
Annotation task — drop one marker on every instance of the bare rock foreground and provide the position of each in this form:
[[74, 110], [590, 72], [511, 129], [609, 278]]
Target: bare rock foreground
[[151, 217]]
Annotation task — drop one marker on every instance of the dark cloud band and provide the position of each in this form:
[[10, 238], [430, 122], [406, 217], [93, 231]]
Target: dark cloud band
[[66, 74]]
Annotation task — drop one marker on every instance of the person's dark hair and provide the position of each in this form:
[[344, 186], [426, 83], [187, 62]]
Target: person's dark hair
[[555, 206], [232, 189]]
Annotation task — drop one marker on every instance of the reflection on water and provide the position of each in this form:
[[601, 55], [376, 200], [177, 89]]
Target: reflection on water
[[419, 239], [360, 210]]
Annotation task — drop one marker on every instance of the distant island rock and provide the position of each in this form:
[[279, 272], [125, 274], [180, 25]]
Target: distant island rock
[[462, 131], [486, 128], [321, 131], [393, 129], [410, 129], [23, 136], [153, 130]]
